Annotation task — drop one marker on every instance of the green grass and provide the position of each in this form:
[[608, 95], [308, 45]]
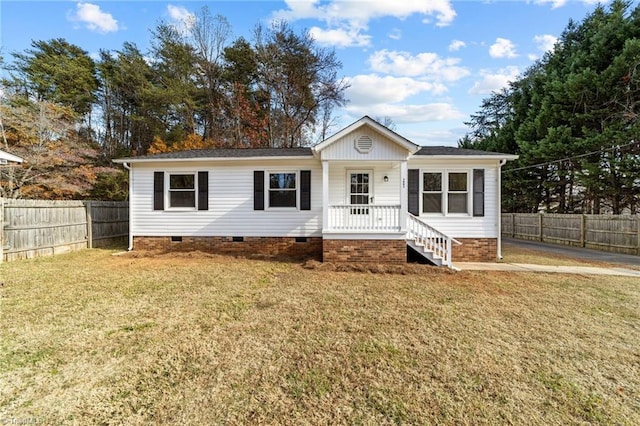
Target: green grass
[[90, 338]]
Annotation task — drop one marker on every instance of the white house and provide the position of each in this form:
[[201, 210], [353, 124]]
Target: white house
[[6, 158], [363, 195]]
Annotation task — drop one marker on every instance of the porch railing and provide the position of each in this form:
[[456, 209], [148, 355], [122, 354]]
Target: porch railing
[[364, 218], [431, 239]]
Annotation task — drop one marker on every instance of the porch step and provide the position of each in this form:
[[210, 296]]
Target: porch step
[[425, 253]]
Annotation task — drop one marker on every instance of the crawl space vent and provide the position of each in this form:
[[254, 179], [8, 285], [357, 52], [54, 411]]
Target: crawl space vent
[[364, 144]]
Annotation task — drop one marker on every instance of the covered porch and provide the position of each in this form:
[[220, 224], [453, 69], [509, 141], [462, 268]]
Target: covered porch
[[369, 198]]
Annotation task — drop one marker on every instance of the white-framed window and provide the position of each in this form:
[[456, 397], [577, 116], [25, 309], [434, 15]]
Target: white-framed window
[[181, 190], [282, 189], [458, 192], [432, 192], [445, 192]]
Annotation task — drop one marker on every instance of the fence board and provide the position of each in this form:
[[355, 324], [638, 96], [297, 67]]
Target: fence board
[[33, 228], [618, 234]]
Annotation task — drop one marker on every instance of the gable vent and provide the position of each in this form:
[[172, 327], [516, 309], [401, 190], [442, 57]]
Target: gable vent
[[364, 144]]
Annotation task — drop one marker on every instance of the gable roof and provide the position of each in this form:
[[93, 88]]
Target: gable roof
[[368, 121], [221, 154], [10, 157], [448, 151]]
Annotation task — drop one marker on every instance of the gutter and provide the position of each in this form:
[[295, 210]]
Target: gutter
[[128, 167], [499, 224]]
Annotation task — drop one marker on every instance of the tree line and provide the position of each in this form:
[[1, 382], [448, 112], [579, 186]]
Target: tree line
[[197, 87], [572, 117]]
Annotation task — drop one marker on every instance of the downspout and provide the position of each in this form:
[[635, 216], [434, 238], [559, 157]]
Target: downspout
[[499, 225], [128, 167]]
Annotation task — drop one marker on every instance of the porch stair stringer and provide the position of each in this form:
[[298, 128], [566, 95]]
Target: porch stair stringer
[[433, 245]]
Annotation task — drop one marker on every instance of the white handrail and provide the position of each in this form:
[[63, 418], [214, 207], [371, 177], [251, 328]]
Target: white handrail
[[364, 218], [433, 240]]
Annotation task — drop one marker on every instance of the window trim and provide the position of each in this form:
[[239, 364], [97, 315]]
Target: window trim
[[467, 192], [267, 189], [445, 192], [441, 192], [168, 190]]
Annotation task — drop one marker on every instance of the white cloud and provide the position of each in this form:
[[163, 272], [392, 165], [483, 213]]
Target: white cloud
[[94, 18], [555, 4], [435, 137], [340, 37], [346, 21], [503, 48], [545, 42], [456, 45], [408, 113], [427, 65], [492, 82], [355, 11], [180, 17], [395, 34], [368, 89]]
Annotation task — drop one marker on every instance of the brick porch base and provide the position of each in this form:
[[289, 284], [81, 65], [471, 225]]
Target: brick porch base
[[364, 251], [475, 250]]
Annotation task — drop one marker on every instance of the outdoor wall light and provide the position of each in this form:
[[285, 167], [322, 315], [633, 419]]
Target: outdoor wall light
[[386, 178]]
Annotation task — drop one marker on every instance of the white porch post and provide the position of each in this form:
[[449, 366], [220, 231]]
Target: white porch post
[[325, 195], [403, 196]]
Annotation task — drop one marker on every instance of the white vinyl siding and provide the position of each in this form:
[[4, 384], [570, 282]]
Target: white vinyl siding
[[382, 148], [230, 199], [463, 225]]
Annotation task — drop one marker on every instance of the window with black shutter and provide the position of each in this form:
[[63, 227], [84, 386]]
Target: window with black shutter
[[258, 190], [478, 192], [305, 190], [413, 189]]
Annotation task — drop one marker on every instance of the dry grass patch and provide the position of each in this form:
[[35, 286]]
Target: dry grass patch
[[90, 338]]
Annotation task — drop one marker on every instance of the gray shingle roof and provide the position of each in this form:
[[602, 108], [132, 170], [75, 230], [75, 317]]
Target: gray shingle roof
[[288, 152], [227, 153], [452, 150]]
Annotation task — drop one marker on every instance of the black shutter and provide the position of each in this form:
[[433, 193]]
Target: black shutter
[[203, 190], [414, 192], [158, 190], [478, 192], [305, 189], [258, 190]]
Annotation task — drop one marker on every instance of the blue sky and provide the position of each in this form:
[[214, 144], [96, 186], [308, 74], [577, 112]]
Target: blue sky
[[427, 64]]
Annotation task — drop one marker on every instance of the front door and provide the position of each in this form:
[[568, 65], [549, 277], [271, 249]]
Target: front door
[[359, 191]]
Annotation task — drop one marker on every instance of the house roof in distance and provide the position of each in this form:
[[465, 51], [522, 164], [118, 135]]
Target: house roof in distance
[[10, 157]]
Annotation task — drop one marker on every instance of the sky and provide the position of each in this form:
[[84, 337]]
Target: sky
[[426, 64]]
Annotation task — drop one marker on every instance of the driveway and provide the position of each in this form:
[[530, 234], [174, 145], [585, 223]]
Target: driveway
[[577, 252]]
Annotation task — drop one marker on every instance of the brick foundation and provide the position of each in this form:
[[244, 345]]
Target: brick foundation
[[364, 251], [250, 246], [356, 251], [475, 250]]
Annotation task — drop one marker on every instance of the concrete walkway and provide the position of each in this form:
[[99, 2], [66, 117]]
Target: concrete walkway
[[525, 267]]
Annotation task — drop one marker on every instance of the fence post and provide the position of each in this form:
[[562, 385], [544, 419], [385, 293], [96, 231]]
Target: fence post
[[87, 206], [540, 234], [1, 228], [513, 225], [638, 229], [583, 230]]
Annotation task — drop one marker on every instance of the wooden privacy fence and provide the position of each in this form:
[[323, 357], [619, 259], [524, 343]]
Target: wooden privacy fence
[[619, 234], [33, 228]]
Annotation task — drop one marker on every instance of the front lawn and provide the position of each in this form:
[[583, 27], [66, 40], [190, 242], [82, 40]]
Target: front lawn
[[91, 338]]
